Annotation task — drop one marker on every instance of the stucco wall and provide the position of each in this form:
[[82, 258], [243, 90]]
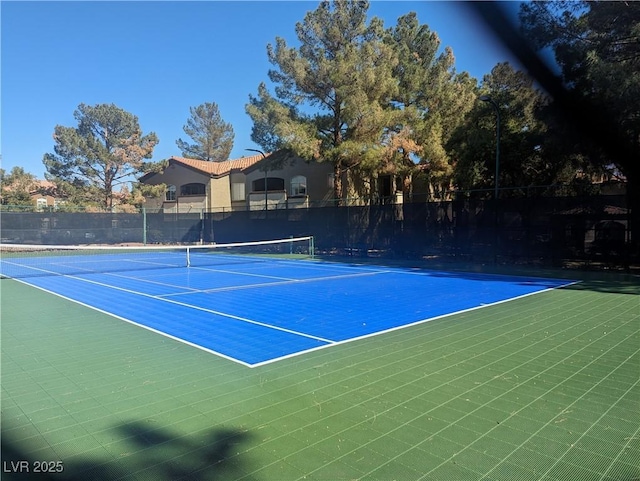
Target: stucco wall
[[220, 193], [317, 175]]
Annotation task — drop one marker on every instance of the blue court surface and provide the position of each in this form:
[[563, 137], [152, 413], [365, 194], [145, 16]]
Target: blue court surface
[[260, 312]]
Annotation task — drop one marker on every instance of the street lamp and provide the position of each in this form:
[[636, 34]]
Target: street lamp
[[486, 98], [266, 198]]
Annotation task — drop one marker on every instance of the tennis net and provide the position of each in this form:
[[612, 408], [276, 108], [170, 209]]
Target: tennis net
[[28, 260]]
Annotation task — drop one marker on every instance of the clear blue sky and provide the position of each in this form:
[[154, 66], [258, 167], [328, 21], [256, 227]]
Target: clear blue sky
[[158, 59]]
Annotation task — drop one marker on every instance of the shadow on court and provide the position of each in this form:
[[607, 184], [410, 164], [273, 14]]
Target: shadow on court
[[596, 280], [147, 453], [631, 286]]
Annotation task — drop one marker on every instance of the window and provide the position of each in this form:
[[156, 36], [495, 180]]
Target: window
[[237, 191], [193, 189], [170, 194], [257, 185], [273, 184], [299, 185], [330, 181], [41, 203]]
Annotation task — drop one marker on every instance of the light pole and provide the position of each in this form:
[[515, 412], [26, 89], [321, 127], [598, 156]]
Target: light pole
[[486, 98], [266, 198]]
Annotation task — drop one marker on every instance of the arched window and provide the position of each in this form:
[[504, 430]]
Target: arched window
[[299, 185], [170, 194], [193, 189]]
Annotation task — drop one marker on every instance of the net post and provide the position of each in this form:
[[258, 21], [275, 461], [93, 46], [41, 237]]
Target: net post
[[188, 257], [312, 247]]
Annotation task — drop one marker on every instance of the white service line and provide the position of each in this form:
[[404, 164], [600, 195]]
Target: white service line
[[225, 271], [149, 281], [269, 284], [190, 306], [410, 324], [129, 321]]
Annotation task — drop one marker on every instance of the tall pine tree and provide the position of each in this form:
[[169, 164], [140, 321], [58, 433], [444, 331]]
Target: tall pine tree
[[212, 136], [332, 92], [104, 151]]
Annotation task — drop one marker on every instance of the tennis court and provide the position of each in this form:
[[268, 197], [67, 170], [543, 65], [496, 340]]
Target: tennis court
[[144, 365], [258, 309]]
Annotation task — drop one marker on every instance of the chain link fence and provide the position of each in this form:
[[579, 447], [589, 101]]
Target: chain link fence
[[542, 230]]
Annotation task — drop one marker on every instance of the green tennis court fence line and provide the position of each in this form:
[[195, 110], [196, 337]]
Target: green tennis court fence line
[[541, 230]]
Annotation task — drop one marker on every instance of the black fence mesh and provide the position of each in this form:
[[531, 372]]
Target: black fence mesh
[[545, 230], [70, 227]]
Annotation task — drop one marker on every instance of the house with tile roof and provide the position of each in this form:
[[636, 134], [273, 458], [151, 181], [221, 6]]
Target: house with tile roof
[[273, 181], [43, 193]]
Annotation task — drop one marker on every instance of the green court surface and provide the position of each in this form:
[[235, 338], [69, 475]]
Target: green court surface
[[545, 387]]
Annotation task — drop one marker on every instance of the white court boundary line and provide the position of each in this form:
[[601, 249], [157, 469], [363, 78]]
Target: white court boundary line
[[192, 290], [275, 283], [170, 301], [148, 328], [411, 324], [85, 270], [189, 290], [329, 342]]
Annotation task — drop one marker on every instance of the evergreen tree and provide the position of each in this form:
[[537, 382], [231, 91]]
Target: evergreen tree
[[523, 133], [597, 47], [332, 92], [213, 138], [104, 151], [16, 186], [434, 98], [369, 100]]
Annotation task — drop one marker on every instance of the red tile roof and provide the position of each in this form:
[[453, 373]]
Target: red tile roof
[[219, 168], [35, 187]]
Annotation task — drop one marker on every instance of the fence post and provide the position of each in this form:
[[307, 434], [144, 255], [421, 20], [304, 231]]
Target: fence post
[[144, 226], [201, 226]]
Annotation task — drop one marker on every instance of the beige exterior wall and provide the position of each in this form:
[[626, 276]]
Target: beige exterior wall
[[43, 201], [220, 190], [190, 203], [219, 193], [178, 176], [273, 200], [240, 179], [317, 175]]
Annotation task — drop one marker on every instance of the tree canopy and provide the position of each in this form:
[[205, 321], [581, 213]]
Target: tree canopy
[[104, 151], [212, 136], [16, 186], [433, 97], [597, 47], [368, 99], [378, 100], [332, 92], [473, 143]]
